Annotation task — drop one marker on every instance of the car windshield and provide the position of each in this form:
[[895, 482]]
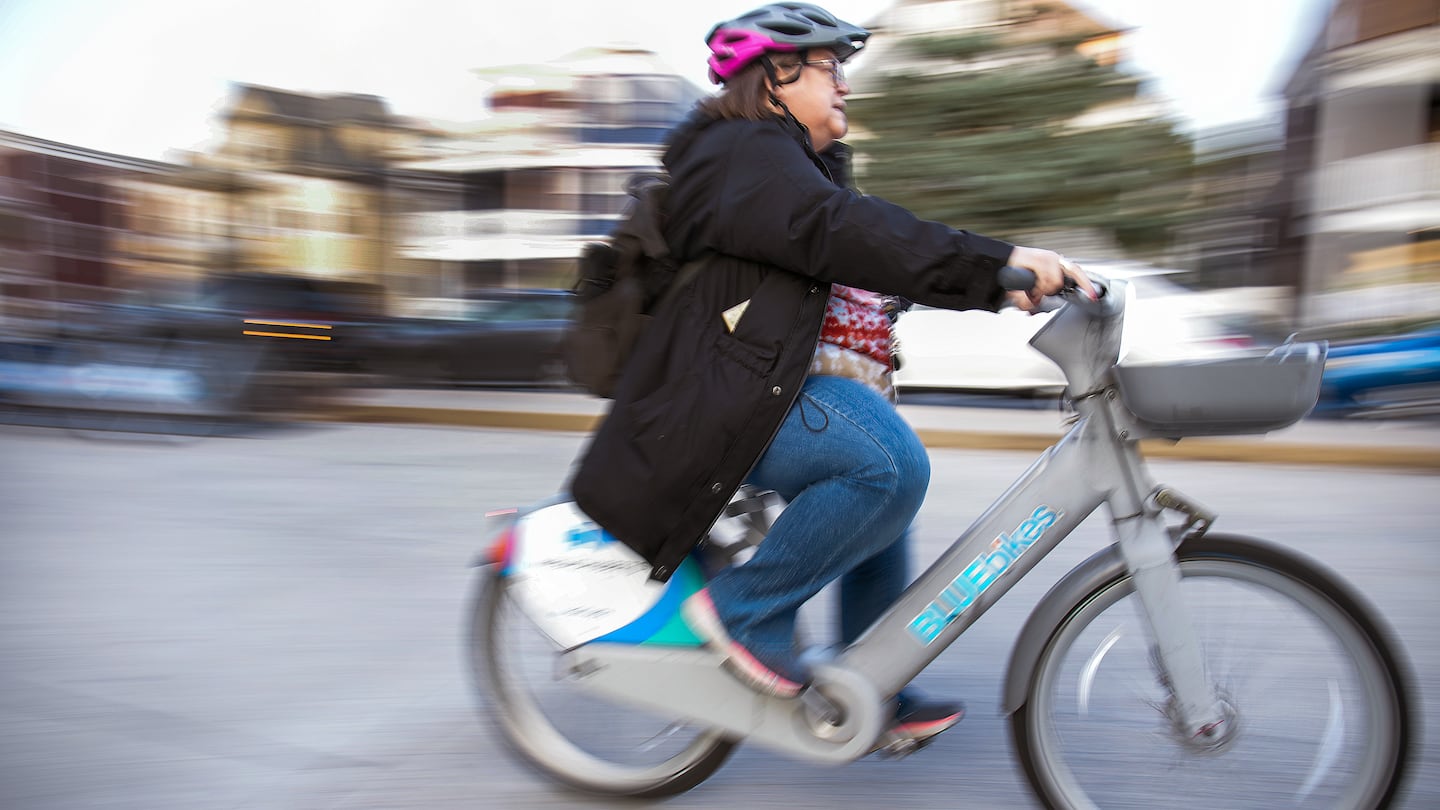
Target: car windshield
[[519, 309]]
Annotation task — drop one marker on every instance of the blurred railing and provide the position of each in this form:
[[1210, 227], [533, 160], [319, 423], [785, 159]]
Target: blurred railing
[[169, 247], [1384, 178], [509, 222]]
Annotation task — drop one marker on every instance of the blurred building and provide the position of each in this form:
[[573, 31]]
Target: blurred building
[[312, 173], [1231, 238], [509, 201], [80, 225], [63, 217], [1358, 204], [296, 187], [26, 279], [335, 188]]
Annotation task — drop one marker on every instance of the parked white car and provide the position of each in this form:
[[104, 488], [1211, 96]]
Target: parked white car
[[942, 349]]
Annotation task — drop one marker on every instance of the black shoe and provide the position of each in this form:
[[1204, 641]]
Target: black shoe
[[922, 719], [917, 722]]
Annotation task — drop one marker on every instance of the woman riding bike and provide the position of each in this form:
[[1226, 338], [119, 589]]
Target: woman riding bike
[[772, 366]]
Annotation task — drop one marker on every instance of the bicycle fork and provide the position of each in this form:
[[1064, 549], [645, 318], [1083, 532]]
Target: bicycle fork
[[1200, 716], [1198, 713]]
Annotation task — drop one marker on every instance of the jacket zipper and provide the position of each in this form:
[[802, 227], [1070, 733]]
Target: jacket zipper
[[794, 396], [815, 341]]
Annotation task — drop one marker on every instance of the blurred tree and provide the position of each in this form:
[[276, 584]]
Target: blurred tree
[[994, 145]]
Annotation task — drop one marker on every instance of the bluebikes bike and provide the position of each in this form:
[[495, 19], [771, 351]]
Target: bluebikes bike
[[1177, 664]]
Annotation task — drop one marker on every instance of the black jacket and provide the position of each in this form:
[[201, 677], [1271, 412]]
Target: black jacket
[[697, 404]]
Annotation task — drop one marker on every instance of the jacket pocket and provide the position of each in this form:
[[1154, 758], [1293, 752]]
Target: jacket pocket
[[684, 430], [669, 432], [757, 360]]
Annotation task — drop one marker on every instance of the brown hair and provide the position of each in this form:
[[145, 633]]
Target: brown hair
[[747, 93]]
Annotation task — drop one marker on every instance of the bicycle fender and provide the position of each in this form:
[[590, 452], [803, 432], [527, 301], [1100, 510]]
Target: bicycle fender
[[1057, 603]]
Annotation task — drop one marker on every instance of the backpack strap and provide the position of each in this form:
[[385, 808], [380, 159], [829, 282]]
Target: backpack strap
[[683, 276]]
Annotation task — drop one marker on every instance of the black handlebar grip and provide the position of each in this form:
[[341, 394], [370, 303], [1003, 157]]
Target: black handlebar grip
[[1016, 278], [1021, 280]]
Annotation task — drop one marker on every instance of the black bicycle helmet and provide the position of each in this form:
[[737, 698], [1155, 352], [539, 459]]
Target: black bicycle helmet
[[783, 27]]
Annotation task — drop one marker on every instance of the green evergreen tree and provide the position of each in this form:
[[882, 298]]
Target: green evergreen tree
[[995, 150]]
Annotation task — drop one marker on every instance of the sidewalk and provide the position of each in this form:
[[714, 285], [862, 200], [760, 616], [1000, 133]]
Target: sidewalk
[[1398, 443]]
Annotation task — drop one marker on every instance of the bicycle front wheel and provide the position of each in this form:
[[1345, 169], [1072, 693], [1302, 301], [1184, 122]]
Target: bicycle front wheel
[[1315, 696], [571, 735]]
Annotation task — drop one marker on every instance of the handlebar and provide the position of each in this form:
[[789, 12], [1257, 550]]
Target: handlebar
[[1019, 279], [1016, 279]]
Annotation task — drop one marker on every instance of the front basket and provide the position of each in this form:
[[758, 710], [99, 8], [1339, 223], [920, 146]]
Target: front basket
[[1250, 393]]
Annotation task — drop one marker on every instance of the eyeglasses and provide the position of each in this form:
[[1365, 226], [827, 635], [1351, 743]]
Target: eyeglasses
[[832, 66]]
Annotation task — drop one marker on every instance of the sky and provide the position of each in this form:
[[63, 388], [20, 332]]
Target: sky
[[144, 77]]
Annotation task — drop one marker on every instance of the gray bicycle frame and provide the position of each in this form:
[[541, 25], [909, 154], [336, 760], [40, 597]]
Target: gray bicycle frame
[[842, 715]]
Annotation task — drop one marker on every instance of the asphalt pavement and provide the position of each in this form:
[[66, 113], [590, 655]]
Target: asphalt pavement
[[1411, 443], [279, 622]]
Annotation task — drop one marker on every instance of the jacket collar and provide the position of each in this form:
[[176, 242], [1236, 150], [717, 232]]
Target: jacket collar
[[837, 160], [834, 161]]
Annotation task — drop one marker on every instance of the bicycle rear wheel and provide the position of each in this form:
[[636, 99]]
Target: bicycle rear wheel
[[1317, 697], [571, 735]]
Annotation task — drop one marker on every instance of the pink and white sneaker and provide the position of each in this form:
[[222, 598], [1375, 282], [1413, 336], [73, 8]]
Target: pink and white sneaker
[[699, 613]]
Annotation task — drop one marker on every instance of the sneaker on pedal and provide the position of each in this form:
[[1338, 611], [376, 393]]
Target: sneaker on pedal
[[917, 722], [699, 612]]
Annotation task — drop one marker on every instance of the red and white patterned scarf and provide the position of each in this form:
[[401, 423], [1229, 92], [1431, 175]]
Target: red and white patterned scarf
[[855, 340]]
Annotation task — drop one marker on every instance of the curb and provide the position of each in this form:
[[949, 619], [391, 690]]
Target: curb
[[460, 417], [1198, 449]]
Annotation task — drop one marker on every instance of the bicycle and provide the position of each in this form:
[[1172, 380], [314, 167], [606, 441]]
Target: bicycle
[[1120, 669]]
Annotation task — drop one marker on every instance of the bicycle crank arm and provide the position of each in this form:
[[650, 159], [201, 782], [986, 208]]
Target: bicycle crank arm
[[691, 684]]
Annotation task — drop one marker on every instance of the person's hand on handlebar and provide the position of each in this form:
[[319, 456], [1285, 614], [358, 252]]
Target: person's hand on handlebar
[[1051, 271]]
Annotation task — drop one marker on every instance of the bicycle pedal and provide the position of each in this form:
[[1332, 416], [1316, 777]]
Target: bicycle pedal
[[899, 746]]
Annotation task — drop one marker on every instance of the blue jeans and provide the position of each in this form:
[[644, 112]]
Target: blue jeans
[[855, 475]]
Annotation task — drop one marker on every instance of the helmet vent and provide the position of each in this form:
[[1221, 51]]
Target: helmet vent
[[786, 28]]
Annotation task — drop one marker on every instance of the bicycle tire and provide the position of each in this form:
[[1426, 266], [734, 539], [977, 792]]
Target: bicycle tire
[[536, 735], [1121, 751]]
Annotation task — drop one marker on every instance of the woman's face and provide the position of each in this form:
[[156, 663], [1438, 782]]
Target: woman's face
[[817, 98]]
